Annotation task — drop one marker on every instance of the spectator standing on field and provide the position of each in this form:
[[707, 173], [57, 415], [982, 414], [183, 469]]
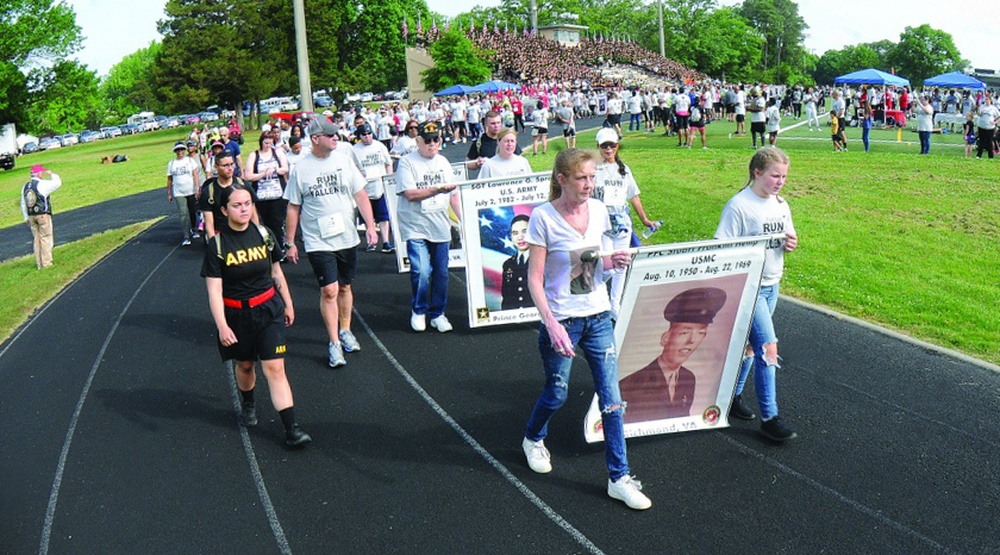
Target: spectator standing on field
[[36, 207]]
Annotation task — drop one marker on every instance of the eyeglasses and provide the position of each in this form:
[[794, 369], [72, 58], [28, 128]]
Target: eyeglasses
[[607, 146]]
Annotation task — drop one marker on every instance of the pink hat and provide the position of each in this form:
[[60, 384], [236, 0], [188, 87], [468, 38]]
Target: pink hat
[[37, 168]]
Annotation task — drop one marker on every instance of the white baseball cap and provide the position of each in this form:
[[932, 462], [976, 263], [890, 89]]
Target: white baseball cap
[[607, 135]]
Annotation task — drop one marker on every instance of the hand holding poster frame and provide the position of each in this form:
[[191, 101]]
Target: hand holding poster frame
[[456, 255], [679, 375], [496, 213]]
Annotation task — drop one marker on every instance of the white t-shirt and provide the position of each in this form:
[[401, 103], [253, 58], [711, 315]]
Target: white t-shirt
[[183, 179], [423, 219], [756, 117], [749, 215], [374, 158], [404, 145], [498, 167], [540, 118], [741, 107], [268, 189], [294, 158], [615, 191], [325, 189], [573, 288], [773, 115], [987, 114], [682, 102]]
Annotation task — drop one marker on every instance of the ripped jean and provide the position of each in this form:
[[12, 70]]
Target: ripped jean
[[761, 333], [594, 336]]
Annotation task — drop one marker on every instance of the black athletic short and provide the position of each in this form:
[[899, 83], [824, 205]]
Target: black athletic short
[[334, 266], [260, 331], [758, 127]]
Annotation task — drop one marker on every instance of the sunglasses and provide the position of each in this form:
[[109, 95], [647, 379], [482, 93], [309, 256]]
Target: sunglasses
[[607, 146], [433, 140]]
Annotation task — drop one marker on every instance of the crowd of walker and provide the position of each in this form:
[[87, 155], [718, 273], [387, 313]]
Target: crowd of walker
[[312, 179], [252, 214]]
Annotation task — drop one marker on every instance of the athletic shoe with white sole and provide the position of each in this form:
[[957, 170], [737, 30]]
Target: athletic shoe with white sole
[[336, 355], [349, 342], [628, 490], [441, 324], [418, 321], [538, 456]]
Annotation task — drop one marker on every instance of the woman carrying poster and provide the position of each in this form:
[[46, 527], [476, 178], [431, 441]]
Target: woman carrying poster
[[566, 283], [754, 211], [615, 185]]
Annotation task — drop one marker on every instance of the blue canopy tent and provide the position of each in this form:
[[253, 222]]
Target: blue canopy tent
[[455, 89], [955, 79], [871, 76], [495, 86]]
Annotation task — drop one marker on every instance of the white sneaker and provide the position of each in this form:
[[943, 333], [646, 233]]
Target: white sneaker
[[538, 456], [418, 321], [627, 489], [441, 324]]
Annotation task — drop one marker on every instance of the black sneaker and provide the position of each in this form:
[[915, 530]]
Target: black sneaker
[[739, 410], [248, 416], [296, 437], [775, 430]]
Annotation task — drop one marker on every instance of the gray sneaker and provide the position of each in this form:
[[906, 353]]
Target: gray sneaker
[[336, 355], [349, 342]]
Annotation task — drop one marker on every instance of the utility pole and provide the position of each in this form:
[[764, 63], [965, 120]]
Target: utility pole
[[534, 17], [659, 9], [302, 56]]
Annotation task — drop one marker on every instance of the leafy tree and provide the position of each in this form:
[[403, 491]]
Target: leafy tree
[[924, 52], [67, 98], [850, 58], [31, 31], [128, 87], [456, 60], [783, 30]]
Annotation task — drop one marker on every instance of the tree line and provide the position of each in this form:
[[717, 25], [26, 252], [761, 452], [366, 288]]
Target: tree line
[[227, 51]]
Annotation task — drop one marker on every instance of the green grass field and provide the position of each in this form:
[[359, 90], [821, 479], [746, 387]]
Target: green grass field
[[906, 241]]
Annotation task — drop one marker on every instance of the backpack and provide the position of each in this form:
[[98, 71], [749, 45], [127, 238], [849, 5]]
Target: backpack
[[268, 240]]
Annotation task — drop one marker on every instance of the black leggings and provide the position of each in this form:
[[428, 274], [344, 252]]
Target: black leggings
[[985, 142], [272, 215]]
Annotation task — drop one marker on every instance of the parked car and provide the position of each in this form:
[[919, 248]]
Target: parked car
[[323, 101], [68, 139], [209, 116], [89, 136], [160, 122], [367, 97], [353, 98], [29, 147], [110, 131], [173, 122], [129, 128], [48, 143], [192, 119]]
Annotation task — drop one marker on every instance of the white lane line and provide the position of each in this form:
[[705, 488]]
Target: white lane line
[[50, 511], [861, 508], [548, 511], [258, 477]]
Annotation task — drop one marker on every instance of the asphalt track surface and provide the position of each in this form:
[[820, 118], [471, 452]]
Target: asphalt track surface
[[121, 437]]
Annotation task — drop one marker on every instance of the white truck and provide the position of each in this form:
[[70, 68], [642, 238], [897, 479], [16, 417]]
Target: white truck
[[8, 146]]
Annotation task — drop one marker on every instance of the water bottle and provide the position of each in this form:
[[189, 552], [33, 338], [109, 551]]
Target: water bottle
[[649, 231]]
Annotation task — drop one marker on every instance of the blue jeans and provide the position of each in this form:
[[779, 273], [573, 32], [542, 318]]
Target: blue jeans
[[761, 333], [635, 119], [594, 335], [428, 276], [864, 137], [925, 142]]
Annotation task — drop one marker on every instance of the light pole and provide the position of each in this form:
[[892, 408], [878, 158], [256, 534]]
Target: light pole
[[659, 10], [302, 56]]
